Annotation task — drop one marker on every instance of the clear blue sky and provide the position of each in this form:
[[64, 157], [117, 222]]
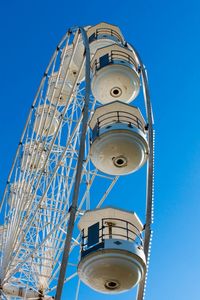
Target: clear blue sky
[[167, 36]]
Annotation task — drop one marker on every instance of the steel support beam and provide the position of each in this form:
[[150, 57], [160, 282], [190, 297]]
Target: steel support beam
[[73, 208]]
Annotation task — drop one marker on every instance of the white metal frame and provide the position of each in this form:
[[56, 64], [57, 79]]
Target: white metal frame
[[34, 235]]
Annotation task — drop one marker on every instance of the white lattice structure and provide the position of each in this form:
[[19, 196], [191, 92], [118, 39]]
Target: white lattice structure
[[37, 200]]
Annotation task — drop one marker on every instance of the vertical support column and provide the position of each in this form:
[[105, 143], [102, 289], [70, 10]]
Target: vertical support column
[[73, 207]]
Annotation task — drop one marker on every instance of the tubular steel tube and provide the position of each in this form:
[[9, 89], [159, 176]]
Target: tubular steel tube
[[150, 173], [73, 207]]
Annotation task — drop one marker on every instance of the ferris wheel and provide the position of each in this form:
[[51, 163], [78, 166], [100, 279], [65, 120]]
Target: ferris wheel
[[82, 134]]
